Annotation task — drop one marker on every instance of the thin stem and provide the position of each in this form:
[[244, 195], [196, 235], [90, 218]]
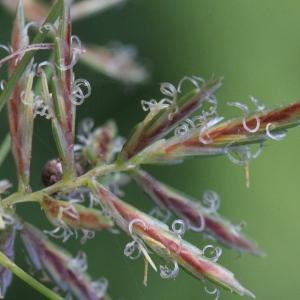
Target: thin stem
[[66, 184], [32, 47], [7, 263], [4, 148]]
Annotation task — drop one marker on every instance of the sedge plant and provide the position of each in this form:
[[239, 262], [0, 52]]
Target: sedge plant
[[82, 194]]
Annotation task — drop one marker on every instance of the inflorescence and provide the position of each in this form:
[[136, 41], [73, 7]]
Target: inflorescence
[[84, 183]]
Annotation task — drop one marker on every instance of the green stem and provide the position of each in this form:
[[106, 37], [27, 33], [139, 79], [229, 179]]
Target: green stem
[[7, 263], [4, 148], [39, 38], [66, 184]]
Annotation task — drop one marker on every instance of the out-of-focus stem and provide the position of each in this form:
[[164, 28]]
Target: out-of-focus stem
[[7, 263], [4, 148]]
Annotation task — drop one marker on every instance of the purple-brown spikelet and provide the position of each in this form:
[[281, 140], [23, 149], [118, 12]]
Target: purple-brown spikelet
[[7, 243], [74, 215], [98, 147], [116, 62], [34, 10], [67, 72], [53, 170], [62, 81], [168, 245], [67, 272], [195, 214], [236, 131], [20, 111], [159, 123], [37, 10], [220, 138]]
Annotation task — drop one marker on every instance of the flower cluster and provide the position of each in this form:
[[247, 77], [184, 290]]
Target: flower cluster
[[83, 184]]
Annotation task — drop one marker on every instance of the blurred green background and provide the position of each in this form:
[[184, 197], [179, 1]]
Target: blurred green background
[[255, 45]]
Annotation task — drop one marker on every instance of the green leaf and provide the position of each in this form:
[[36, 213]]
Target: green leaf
[[4, 148]]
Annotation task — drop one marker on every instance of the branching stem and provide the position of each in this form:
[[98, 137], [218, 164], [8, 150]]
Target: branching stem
[[66, 184]]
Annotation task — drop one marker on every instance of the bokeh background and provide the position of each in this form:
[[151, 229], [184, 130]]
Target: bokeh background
[[255, 45]]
